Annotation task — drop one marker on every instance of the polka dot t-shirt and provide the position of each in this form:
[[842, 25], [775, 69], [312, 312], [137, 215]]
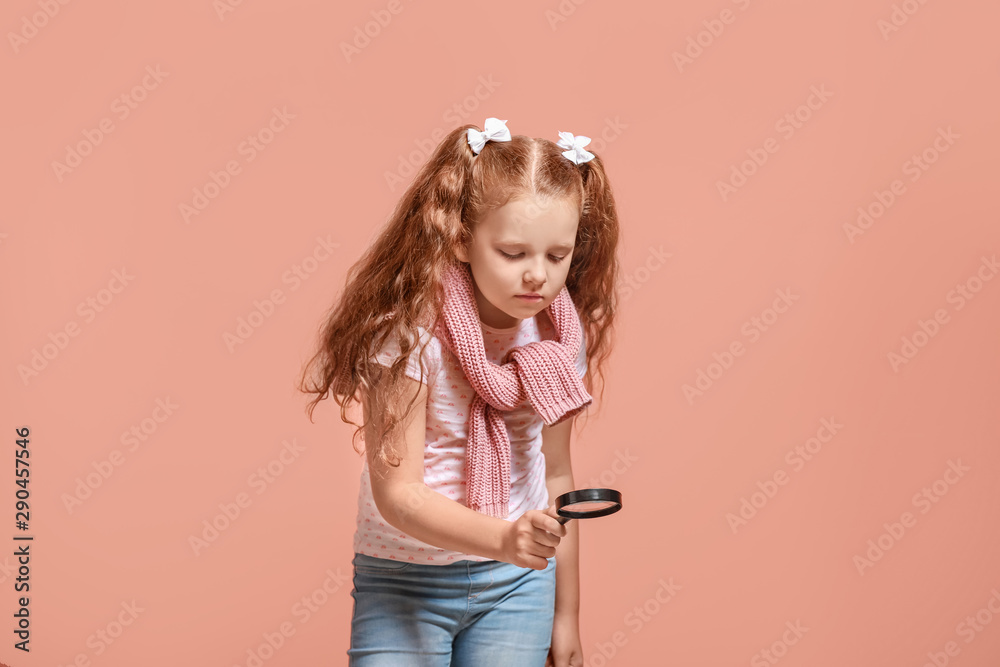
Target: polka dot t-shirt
[[448, 400]]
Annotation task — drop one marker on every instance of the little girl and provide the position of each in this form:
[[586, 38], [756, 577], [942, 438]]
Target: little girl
[[464, 332]]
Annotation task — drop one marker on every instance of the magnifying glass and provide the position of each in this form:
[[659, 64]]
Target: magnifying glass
[[587, 504]]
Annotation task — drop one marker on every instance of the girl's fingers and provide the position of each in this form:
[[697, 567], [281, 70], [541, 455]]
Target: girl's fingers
[[546, 538]]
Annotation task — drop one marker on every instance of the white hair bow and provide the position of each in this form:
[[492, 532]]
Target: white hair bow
[[575, 145], [496, 130]]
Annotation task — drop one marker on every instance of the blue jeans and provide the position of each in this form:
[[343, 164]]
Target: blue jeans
[[464, 614]]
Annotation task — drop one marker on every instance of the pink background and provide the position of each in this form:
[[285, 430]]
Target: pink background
[[699, 263]]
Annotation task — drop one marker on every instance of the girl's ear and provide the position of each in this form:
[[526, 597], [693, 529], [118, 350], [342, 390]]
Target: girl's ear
[[462, 253]]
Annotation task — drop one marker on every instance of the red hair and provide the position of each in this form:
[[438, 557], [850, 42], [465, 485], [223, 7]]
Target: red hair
[[396, 285]]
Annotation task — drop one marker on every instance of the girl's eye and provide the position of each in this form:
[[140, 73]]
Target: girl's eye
[[555, 259]]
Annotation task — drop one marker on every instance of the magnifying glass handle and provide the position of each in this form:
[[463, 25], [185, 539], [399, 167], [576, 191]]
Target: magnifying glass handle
[[562, 519]]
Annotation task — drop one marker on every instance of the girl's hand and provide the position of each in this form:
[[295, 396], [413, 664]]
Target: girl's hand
[[566, 650], [532, 539]]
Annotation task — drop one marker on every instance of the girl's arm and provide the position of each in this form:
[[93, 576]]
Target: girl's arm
[[559, 480], [414, 508], [566, 648]]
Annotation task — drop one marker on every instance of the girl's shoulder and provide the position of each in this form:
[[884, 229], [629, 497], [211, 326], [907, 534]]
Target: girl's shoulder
[[426, 351]]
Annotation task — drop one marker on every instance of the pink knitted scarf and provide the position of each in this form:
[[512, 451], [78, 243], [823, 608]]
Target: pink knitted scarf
[[543, 372]]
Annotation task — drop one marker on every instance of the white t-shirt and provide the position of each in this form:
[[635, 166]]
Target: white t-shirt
[[448, 399]]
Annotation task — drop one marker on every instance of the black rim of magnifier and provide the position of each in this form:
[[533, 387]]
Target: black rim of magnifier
[[583, 495]]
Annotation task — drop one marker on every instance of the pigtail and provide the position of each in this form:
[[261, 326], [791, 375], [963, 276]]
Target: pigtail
[[595, 271], [440, 190], [392, 290]]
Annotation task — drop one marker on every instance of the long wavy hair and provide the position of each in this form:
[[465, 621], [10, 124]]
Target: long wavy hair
[[396, 286]]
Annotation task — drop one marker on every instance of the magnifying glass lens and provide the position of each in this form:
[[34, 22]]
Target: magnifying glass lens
[[589, 506]]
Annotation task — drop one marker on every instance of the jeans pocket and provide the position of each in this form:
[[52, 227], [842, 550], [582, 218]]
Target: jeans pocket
[[373, 566]]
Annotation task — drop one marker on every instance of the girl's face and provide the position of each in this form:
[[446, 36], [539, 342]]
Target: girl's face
[[523, 247]]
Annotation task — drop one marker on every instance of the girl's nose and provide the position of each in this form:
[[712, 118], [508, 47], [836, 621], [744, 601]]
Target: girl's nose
[[535, 275]]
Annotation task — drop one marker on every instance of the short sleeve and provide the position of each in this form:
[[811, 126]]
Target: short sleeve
[[431, 356]]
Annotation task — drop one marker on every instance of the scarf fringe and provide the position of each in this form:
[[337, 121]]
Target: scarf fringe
[[498, 510]]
